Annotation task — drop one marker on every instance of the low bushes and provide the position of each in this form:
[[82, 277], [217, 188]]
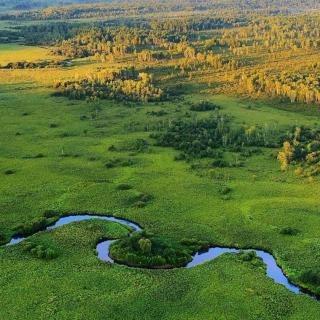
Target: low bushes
[[118, 162], [124, 186], [204, 106], [147, 250], [137, 146], [223, 190], [251, 256], [311, 277], [159, 113], [40, 251], [36, 224], [2, 237], [289, 231], [141, 200], [9, 172]]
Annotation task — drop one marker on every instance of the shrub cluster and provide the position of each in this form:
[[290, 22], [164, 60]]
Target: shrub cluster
[[125, 85], [137, 145], [302, 147], [289, 231], [204, 106], [9, 172], [119, 162], [146, 250], [35, 65], [311, 276], [141, 200], [40, 251], [37, 224], [32, 226], [200, 138]]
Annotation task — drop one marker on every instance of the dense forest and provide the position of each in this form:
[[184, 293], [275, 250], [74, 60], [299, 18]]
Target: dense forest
[[142, 7]]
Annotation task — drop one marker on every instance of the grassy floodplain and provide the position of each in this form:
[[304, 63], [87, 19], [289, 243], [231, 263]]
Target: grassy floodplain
[[55, 156]]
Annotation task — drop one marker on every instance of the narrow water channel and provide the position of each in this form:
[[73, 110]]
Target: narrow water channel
[[273, 270]]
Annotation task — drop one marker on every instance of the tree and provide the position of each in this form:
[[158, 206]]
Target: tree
[[285, 156], [145, 245]]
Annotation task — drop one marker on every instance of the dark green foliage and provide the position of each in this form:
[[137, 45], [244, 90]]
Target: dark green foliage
[[135, 146], [39, 155], [9, 172], [40, 251], [251, 256], [124, 186], [204, 106], [119, 162], [83, 118], [180, 156], [289, 231], [194, 244], [32, 226], [246, 153], [199, 138], [139, 145], [51, 214], [220, 163], [146, 250], [141, 200], [139, 204], [248, 255], [311, 276], [36, 156], [159, 113], [223, 190]]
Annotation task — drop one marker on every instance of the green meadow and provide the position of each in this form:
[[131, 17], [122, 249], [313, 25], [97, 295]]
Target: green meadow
[[57, 152]]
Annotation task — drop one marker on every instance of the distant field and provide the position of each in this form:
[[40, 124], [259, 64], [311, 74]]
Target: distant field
[[17, 52]]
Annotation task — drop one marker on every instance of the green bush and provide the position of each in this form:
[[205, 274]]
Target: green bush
[[40, 251], [289, 231], [139, 204], [248, 255], [223, 190], [9, 172], [159, 113], [204, 106], [220, 163], [311, 276], [124, 186], [145, 249], [50, 214], [118, 162], [31, 227]]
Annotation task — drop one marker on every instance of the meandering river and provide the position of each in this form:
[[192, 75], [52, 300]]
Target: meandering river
[[273, 270]]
